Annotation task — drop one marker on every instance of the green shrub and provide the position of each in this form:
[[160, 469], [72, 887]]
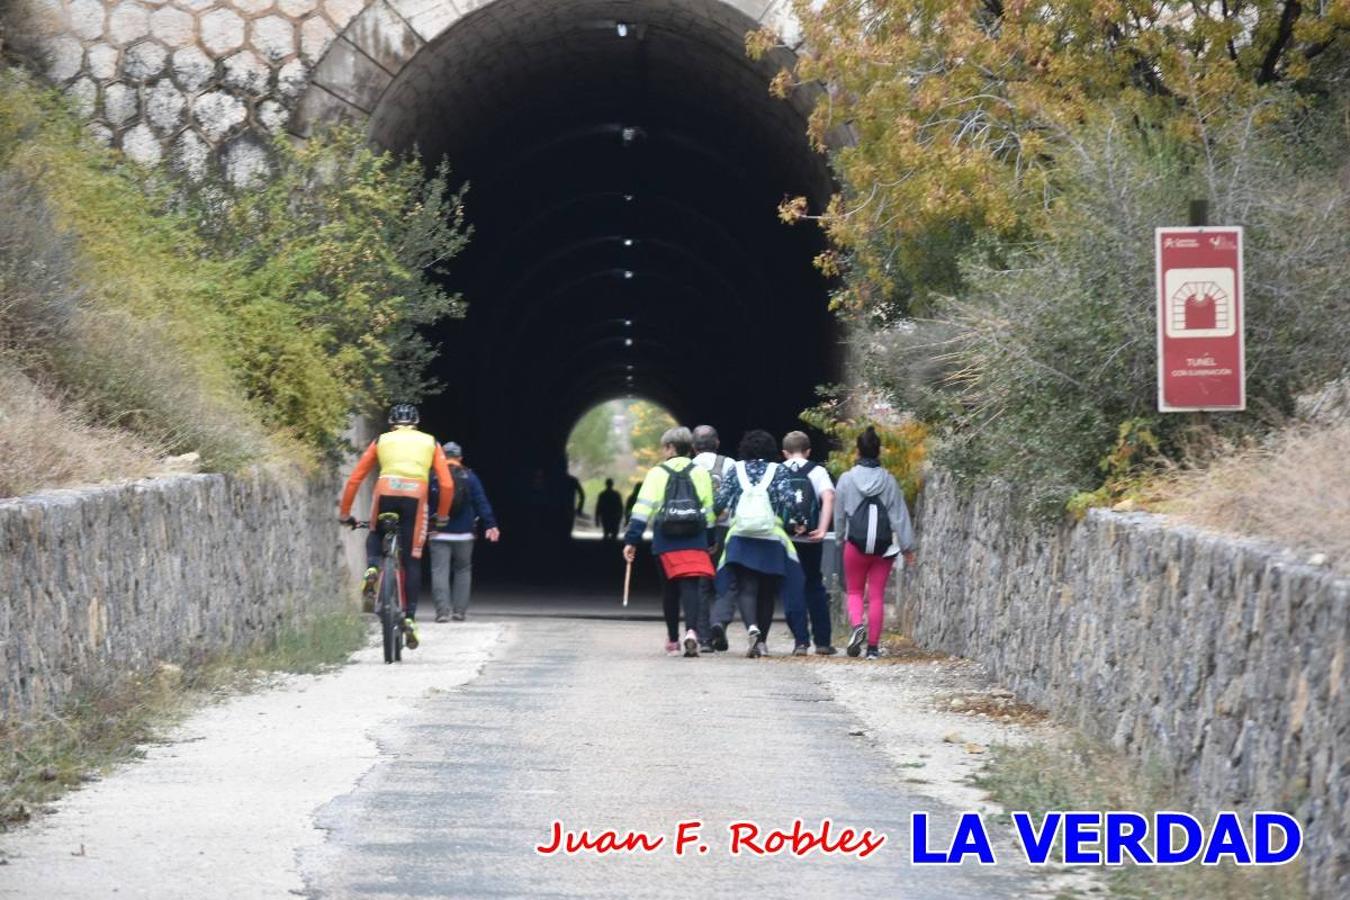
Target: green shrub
[[39, 298], [339, 256], [122, 324], [235, 322]]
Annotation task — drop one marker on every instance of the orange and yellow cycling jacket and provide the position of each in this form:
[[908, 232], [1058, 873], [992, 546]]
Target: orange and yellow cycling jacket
[[404, 455]]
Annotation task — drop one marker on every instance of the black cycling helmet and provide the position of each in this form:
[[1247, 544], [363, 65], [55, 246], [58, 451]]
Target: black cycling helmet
[[403, 414]]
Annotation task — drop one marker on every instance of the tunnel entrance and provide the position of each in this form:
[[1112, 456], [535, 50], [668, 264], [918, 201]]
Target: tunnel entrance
[[625, 162]]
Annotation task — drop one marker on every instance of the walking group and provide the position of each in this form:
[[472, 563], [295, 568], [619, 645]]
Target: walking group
[[730, 536], [416, 475], [733, 536]]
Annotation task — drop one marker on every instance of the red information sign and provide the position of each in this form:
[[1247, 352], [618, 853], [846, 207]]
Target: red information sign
[[1200, 349]]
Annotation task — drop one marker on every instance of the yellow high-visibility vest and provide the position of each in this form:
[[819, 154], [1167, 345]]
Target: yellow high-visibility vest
[[406, 453]]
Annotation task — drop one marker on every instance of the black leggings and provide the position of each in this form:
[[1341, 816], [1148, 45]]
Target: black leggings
[[756, 595], [677, 593], [406, 507]]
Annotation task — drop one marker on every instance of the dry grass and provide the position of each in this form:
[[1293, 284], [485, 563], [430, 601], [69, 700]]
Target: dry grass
[[902, 648], [996, 704], [47, 444], [1295, 491]]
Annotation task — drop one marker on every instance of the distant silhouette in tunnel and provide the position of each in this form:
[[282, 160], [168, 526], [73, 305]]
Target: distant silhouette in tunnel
[[579, 492], [609, 511]]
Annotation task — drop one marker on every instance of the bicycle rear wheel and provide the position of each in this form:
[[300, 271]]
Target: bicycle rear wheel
[[390, 612]]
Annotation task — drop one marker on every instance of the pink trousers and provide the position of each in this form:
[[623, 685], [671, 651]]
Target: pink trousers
[[865, 572]]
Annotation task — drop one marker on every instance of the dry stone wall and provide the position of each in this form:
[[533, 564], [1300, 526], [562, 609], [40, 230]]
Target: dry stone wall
[[102, 582], [1222, 660]]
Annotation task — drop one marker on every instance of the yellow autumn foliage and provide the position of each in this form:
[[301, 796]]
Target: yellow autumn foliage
[[948, 119]]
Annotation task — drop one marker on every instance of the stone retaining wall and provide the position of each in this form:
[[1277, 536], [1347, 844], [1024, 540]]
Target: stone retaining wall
[[101, 582], [1220, 659]]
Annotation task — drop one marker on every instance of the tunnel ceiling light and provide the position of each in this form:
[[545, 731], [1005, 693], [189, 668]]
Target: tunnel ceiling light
[[627, 198], [628, 342], [628, 242], [621, 28], [630, 368], [627, 323], [627, 274], [628, 133]]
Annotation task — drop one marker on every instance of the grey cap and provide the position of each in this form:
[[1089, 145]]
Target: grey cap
[[453, 449]]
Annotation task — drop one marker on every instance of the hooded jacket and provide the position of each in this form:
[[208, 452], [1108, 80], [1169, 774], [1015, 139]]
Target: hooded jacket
[[869, 479]]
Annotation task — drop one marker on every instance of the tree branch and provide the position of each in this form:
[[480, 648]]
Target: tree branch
[[1292, 10]]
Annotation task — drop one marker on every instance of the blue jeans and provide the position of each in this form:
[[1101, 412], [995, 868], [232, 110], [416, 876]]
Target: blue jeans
[[805, 598]]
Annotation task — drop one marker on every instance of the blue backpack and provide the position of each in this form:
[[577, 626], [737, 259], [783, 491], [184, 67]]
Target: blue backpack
[[803, 512]]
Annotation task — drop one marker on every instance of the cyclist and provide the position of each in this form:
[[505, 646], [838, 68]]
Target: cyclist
[[405, 456]]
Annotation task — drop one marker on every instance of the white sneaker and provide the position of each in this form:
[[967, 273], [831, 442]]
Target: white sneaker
[[691, 643], [855, 640], [753, 643]]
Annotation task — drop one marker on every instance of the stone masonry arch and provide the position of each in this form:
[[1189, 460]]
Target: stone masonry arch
[[189, 81], [369, 68]]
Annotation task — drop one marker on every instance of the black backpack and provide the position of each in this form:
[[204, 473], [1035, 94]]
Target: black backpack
[[803, 509], [459, 476], [681, 510], [869, 527]]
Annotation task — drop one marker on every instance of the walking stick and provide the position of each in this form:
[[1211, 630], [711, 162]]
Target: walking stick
[[627, 579]]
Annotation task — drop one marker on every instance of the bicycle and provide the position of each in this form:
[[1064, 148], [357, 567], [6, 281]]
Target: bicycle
[[390, 602]]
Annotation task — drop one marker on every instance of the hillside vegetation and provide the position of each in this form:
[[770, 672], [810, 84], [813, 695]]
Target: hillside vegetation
[[993, 238], [142, 315]]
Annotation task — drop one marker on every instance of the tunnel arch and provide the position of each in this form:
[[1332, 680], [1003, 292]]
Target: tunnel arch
[[625, 162]]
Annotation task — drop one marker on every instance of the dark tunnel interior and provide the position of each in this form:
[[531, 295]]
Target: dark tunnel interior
[[625, 162]]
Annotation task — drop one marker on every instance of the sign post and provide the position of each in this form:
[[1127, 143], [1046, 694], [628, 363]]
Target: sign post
[[1201, 357]]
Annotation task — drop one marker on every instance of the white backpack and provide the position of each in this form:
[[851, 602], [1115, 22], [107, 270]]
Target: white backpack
[[754, 512]]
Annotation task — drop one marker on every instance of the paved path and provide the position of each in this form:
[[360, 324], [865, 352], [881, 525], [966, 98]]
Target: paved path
[[588, 723], [438, 778]]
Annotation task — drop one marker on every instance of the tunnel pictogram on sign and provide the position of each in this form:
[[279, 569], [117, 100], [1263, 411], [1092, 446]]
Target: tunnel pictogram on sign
[[1200, 303]]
